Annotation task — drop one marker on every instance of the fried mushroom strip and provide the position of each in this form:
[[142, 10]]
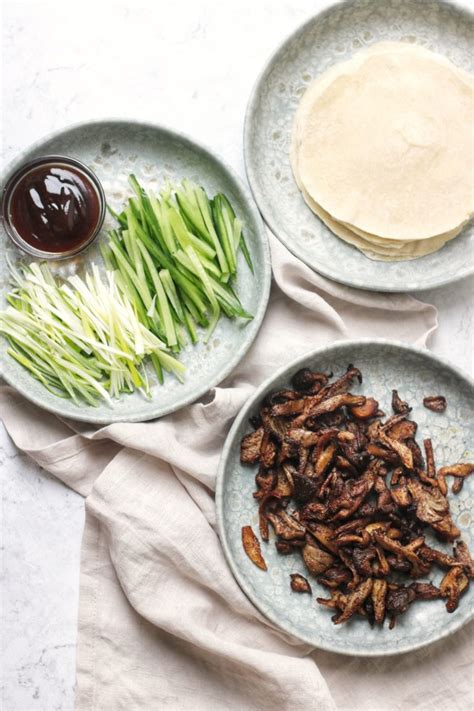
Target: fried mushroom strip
[[399, 406], [250, 446], [300, 584], [252, 547], [379, 594], [460, 471], [354, 602], [452, 586], [436, 403]]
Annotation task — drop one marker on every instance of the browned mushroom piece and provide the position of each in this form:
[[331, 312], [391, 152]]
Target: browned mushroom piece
[[376, 450], [418, 566], [363, 558], [354, 601], [463, 556], [402, 430], [433, 508], [398, 600], [265, 481], [250, 447], [330, 404], [299, 583], [442, 559], [268, 451], [286, 526], [403, 451], [252, 547], [323, 534], [458, 470], [366, 411], [304, 487], [316, 560], [308, 381], [348, 490], [452, 586], [426, 591], [458, 484], [337, 601], [335, 577], [436, 403], [400, 493], [281, 396], [430, 463], [399, 406], [285, 547], [344, 381], [379, 595]]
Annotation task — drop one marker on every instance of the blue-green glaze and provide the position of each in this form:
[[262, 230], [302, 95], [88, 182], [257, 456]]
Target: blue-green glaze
[[113, 149], [331, 37], [384, 365]]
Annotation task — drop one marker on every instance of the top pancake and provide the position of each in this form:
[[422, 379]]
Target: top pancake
[[378, 150]]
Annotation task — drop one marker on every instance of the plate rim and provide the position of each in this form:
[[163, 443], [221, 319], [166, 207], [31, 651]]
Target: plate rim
[[223, 462], [265, 281], [259, 194]]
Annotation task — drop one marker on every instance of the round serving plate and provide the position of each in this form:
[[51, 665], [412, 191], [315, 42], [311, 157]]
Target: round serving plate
[[384, 365], [328, 38], [114, 149]]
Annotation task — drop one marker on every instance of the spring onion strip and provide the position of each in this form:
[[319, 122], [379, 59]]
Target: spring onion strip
[[84, 338]]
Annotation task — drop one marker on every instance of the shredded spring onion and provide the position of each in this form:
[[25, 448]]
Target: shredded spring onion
[[82, 338]]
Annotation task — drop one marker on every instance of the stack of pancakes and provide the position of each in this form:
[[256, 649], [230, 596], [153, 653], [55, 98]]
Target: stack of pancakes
[[383, 150]]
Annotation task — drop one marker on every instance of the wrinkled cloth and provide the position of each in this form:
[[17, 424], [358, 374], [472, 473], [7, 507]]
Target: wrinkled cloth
[[162, 622]]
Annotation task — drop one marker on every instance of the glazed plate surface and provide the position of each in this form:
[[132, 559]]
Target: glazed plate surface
[[330, 37], [114, 149], [385, 365]]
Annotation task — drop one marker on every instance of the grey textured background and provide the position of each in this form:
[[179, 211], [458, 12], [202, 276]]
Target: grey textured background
[[190, 64]]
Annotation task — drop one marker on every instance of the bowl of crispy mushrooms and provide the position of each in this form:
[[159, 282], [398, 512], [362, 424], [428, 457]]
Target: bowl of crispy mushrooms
[[344, 498]]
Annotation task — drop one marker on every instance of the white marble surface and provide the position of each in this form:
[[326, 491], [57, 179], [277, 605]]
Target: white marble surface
[[189, 64]]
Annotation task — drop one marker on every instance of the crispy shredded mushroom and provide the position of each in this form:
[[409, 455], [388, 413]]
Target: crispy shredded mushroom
[[252, 547], [399, 406], [350, 491], [300, 584], [436, 403]]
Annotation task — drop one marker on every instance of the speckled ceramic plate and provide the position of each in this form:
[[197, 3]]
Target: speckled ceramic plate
[[328, 38], [113, 149], [384, 365]]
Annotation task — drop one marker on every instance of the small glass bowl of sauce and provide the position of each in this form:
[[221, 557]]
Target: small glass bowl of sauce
[[53, 207]]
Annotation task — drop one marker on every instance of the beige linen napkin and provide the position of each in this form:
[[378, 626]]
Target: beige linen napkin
[[162, 623]]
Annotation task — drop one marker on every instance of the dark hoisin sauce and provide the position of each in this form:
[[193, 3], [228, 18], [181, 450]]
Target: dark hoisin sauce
[[54, 207]]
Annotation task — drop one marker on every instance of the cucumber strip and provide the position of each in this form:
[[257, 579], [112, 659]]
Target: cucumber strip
[[201, 273], [200, 246], [212, 324], [245, 252], [163, 221], [224, 230], [188, 204], [171, 293], [163, 305], [190, 327], [197, 316]]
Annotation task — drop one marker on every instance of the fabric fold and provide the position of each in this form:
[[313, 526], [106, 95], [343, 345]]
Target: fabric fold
[[162, 622]]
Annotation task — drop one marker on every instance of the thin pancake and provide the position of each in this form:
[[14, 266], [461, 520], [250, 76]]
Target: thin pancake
[[426, 190]]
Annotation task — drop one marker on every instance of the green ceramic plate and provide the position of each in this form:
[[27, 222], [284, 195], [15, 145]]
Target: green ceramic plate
[[330, 37], [384, 365], [113, 149]]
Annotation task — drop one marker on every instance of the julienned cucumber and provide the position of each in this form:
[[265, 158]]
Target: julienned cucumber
[[176, 254]]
